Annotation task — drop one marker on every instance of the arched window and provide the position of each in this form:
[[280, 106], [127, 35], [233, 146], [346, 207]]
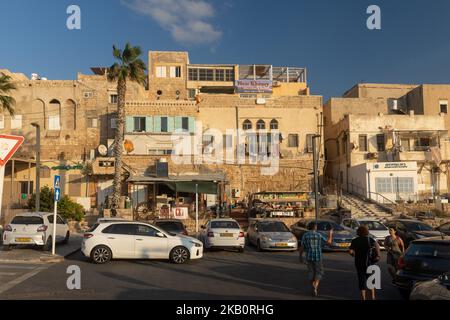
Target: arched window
[[274, 125], [260, 125], [247, 125], [54, 115]]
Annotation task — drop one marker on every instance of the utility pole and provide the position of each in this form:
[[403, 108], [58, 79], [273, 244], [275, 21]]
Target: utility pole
[[316, 175], [38, 165]]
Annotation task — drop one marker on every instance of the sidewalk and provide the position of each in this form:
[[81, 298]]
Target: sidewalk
[[34, 255]]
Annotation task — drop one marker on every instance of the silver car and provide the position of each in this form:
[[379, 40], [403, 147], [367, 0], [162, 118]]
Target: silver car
[[271, 235]]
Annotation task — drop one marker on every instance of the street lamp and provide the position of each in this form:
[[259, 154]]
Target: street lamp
[[38, 165]]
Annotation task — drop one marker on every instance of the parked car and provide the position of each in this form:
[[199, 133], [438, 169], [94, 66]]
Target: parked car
[[342, 236], [444, 228], [410, 230], [425, 259], [223, 234], [136, 240], [35, 229], [437, 289], [271, 235], [377, 230], [171, 225], [106, 220]]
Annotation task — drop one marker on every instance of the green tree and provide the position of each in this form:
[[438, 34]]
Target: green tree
[[130, 67], [46, 200], [6, 87]]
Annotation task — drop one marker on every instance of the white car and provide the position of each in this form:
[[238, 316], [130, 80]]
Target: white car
[[376, 228], [135, 240], [223, 234], [35, 229]]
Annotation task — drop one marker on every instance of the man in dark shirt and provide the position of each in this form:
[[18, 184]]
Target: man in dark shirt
[[361, 248]]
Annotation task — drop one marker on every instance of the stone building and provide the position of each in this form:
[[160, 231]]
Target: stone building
[[394, 127]]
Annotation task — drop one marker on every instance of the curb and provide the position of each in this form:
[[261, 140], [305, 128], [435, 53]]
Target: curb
[[42, 259]]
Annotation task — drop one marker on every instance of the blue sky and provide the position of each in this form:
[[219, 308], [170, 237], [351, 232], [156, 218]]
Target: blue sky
[[328, 37]]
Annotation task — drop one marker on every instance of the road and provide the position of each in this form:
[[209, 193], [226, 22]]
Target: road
[[220, 275]]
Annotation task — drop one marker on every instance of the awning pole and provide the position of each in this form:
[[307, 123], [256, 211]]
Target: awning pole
[[196, 208]]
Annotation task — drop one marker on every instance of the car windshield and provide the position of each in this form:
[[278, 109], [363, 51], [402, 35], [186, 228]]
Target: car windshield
[[327, 226], [27, 220], [170, 225], [374, 225], [224, 225], [273, 227], [429, 250], [418, 226]]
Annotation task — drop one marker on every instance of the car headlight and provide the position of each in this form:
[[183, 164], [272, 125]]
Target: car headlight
[[266, 238], [196, 244], [293, 239]]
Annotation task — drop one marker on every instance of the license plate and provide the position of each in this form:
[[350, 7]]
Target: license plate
[[344, 245], [226, 235], [23, 240], [281, 245]]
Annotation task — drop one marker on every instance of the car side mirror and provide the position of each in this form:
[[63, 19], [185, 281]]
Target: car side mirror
[[160, 235]]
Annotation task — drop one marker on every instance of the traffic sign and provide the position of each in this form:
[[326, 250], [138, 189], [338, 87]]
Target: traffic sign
[[57, 183], [8, 146], [57, 194]]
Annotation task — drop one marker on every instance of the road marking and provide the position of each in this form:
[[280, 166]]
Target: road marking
[[11, 266], [19, 280], [8, 274]]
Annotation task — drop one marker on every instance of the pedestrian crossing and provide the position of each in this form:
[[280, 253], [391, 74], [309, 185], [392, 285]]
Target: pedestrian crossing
[[12, 275]]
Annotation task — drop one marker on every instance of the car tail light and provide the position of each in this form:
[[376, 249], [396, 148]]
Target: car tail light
[[88, 235], [241, 234], [42, 228], [210, 234], [401, 263], [8, 228]]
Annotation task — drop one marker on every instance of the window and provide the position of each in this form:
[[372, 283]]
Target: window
[[24, 187], [228, 141], [16, 121], [175, 72], [113, 98], [114, 123], [161, 71], [363, 143], [158, 152], [28, 220], [54, 122], [443, 106], [185, 123], [120, 229], [192, 93], [261, 125], [193, 74], [2, 121], [206, 74], [405, 144], [381, 146], [309, 143], [293, 141], [45, 172], [229, 75], [274, 125], [422, 144], [164, 124], [224, 225], [404, 185], [383, 185], [92, 122], [146, 231], [59, 220], [247, 125], [220, 75], [139, 124]]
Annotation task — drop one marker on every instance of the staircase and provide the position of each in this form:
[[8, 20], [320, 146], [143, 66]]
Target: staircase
[[361, 208]]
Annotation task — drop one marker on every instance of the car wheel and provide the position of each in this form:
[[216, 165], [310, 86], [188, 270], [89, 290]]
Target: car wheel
[[48, 245], [258, 246], [66, 239], [101, 255], [179, 255]]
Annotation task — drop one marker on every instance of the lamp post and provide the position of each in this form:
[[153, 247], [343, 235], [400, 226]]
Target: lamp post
[[38, 165]]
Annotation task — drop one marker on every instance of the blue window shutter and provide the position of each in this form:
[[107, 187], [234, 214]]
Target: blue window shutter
[[191, 124], [157, 124], [178, 123], [149, 124], [129, 124], [170, 124]]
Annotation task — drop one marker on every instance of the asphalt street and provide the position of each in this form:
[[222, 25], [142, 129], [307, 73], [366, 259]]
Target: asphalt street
[[220, 275]]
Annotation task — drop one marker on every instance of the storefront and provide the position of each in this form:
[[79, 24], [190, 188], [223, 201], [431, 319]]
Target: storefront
[[385, 181]]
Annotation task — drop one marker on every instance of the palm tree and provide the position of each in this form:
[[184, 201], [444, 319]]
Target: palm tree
[[6, 101], [129, 66]]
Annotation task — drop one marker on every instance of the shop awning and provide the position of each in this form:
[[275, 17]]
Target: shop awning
[[203, 183]]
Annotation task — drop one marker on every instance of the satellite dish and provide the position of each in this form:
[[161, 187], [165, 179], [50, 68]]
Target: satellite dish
[[103, 150]]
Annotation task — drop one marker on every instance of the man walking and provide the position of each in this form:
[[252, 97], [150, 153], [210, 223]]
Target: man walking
[[312, 244]]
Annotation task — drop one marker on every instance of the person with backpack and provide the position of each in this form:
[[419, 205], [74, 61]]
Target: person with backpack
[[366, 252]]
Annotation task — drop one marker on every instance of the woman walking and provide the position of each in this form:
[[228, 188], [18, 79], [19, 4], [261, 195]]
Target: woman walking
[[366, 252], [395, 248]]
